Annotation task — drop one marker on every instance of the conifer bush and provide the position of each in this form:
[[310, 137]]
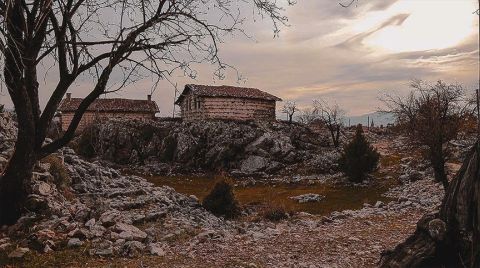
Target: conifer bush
[[221, 200], [358, 158]]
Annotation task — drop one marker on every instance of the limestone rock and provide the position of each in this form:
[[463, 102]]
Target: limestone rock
[[307, 198], [74, 243], [128, 232], [18, 253]]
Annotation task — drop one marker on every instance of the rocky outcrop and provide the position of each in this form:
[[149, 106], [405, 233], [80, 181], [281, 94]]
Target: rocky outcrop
[[241, 148], [105, 210], [112, 213]]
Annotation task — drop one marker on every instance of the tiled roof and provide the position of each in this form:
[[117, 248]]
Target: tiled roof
[[226, 91], [110, 105]]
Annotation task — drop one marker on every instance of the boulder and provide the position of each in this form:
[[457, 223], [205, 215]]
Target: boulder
[[128, 232], [156, 249], [74, 243], [307, 198], [253, 164], [18, 253], [42, 188]]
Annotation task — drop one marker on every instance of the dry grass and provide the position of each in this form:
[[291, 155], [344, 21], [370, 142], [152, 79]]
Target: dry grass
[[59, 172]]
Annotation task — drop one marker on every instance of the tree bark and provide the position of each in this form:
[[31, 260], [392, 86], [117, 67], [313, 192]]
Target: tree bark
[[15, 180], [335, 133], [450, 238], [438, 163]]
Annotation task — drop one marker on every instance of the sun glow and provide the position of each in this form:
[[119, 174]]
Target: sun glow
[[429, 25]]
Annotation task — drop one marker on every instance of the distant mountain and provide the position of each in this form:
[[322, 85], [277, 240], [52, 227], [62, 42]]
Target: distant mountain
[[377, 117]]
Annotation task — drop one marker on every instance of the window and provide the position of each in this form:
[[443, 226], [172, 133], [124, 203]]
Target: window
[[197, 104]]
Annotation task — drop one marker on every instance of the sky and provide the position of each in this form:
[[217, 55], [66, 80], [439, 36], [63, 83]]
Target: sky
[[351, 56]]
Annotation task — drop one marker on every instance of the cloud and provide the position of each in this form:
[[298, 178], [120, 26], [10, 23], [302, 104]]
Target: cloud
[[357, 40], [327, 52]]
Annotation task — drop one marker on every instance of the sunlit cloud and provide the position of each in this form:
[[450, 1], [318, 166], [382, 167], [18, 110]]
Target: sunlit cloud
[[429, 26]]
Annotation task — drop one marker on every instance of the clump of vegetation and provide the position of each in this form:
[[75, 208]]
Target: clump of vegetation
[[431, 116], [84, 145], [168, 148], [359, 157], [147, 132], [274, 213], [58, 170], [221, 200]]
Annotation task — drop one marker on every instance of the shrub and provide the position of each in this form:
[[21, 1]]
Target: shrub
[[359, 157], [274, 213], [168, 148], [147, 132], [84, 146], [59, 172], [221, 201]]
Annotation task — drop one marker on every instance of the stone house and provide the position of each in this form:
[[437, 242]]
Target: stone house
[[106, 109], [226, 102]]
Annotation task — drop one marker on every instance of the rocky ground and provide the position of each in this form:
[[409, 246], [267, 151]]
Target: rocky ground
[[104, 218], [239, 148]]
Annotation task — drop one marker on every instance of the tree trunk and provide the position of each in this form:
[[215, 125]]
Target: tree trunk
[[335, 133], [450, 238], [15, 180], [438, 163]]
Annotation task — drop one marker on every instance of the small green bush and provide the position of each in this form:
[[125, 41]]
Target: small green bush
[[359, 157], [221, 201]]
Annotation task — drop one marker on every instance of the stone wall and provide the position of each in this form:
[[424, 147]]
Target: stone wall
[[90, 117], [195, 108]]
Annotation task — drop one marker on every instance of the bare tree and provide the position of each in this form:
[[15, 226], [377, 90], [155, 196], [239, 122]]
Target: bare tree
[[289, 108], [99, 39], [307, 116], [332, 116], [431, 115]]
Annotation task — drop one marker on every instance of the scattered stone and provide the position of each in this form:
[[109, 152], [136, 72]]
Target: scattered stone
[[379, 204], [90, 223], [18, 253], [74, 243], [42, 188], [4, 246], [128, 232], [156, 249], [307, 198], [132, 249]]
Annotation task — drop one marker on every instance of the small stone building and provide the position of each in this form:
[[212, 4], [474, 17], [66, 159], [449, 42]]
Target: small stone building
[[226, 102], [106, 109]]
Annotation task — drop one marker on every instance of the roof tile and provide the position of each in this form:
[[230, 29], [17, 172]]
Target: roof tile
[[110, 105], [226, 91]]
